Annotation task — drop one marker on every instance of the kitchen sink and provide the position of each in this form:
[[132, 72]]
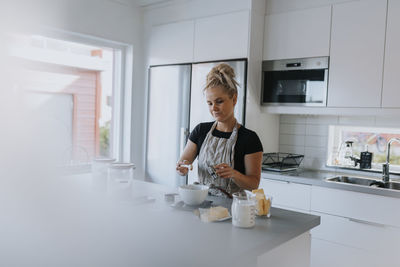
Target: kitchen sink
[[364, 182], [392, 185]]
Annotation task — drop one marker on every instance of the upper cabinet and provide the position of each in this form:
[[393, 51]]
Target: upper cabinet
[[204, 39], [391, 92], [297, 34], [171, 43], [222, 37], [356, 55]]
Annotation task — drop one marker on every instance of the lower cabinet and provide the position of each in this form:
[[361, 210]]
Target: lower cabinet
[[329, 254], [356, 230], [287, 195], [365, 207]]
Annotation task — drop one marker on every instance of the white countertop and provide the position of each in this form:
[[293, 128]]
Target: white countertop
[[64, 222], [315, 177]]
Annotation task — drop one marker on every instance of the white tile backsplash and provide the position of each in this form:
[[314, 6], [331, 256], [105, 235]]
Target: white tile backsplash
[[388, 121], [292, 128], [315, 152], [308, 134], [324, 120], [291, 139], [357, 121], [319, 130], [292, 149], [298, 119], [316, 141]]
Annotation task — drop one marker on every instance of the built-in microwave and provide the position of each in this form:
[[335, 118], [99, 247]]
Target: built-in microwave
[[295, 82]]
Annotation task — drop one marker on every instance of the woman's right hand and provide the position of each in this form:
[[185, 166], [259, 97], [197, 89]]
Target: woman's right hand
[[182, 167]]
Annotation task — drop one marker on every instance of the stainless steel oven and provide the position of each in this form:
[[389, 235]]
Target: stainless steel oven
[[295, 82]]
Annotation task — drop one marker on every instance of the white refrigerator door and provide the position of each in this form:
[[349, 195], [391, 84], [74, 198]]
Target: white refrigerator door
[[198, 105], [168, 119]]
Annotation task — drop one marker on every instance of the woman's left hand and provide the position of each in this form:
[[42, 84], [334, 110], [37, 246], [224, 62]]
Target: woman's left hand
[[225, 170]]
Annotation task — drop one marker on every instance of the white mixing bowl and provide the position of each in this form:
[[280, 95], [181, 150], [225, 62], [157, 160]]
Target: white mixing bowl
[[193, 194]]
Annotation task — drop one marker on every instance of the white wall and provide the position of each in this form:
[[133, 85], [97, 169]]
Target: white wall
[[105, 19]]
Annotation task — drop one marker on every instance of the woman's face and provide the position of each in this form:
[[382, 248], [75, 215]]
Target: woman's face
[[220, 104]]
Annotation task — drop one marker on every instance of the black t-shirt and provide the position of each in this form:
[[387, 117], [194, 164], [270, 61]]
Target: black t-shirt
[[247, 142]]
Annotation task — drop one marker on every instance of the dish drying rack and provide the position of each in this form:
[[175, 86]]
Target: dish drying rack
[[279, 161]]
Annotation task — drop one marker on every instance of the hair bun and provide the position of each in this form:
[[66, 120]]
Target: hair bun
[[222, 75]]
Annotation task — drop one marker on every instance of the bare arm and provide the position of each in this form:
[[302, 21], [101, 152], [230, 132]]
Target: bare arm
[[187, 157], [251, 179]]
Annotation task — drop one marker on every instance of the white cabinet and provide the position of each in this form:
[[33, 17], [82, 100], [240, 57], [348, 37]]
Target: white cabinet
[[362, 228], [287, 195], [356, 55], [171, 43], [356, 233], [360, 206], [297, 34], [329, 254], [205, 39], [222, 37], [391, 92]]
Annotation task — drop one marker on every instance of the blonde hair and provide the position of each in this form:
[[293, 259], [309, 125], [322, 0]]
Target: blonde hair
[[222, 75]]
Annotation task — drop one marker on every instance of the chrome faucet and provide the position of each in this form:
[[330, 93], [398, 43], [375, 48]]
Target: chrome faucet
[[385, 166]]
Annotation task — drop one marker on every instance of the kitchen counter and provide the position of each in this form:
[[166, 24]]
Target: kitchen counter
[[68, 222], [315, 177]]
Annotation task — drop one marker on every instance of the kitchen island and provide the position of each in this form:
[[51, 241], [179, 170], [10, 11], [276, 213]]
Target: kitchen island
[[73, 223]]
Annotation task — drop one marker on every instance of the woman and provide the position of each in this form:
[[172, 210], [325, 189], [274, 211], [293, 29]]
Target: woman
[[224, 147]]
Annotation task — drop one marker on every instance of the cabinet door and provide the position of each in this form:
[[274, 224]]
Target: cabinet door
[[297, 34], [288, 195], [329, 254], [222, 37], [356, 56], [171, 43], [359, 206], [391, 92], [364, 235]]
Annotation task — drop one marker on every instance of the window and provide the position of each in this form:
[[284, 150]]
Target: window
[[361, 139], [77, 87]]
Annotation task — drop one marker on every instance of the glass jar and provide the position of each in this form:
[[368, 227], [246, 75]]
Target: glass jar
[[243, 210], [121, 170], [100, 165], [120, 176], [100, 173]]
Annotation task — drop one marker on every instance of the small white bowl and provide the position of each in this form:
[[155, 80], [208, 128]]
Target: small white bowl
[[193, 194]]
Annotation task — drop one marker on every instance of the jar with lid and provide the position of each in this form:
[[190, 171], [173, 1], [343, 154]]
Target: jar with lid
[[100, 165]]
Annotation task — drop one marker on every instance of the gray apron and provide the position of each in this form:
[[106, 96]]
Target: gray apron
[[216, 150]]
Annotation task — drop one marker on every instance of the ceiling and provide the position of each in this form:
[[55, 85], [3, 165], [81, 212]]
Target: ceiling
[[149, 2], [141, 3]]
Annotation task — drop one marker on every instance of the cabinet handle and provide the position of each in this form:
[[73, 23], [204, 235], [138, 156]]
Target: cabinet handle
[[278, 181], [366, 222]]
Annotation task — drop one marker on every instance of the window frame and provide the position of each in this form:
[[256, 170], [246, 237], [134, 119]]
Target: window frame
[[376, 166], [121, 124]]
